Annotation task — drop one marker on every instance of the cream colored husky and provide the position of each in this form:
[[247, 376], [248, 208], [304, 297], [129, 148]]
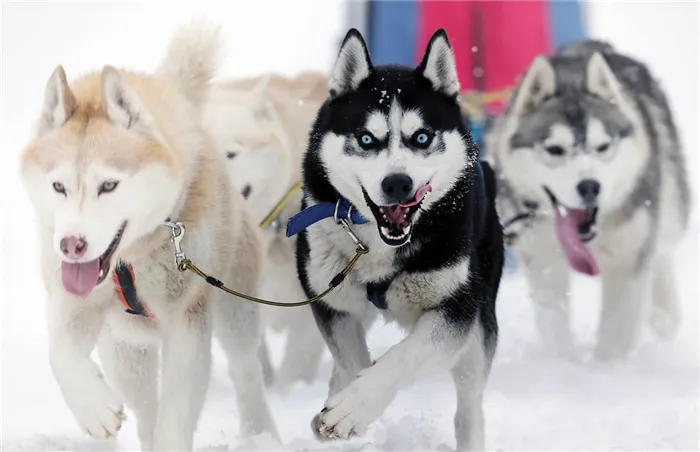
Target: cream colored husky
[[117, 153], [261, 124]]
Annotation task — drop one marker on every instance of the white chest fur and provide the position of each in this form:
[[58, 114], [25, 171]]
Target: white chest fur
[[409, 295]]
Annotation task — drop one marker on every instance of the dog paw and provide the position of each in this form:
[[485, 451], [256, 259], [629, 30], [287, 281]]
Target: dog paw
[[97, 408], [350, 412], [664, 325]]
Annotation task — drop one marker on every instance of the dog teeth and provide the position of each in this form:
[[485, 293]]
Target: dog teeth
[[102, 272], [385, 231], [406, 229]]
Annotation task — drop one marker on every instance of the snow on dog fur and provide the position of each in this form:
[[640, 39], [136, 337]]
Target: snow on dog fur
[[391, 142], [116, 153]]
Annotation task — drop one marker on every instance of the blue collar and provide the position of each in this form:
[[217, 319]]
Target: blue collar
[[337, 210], [342, 209]]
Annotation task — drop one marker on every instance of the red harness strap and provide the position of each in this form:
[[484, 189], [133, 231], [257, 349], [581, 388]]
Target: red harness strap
[[125, 288]]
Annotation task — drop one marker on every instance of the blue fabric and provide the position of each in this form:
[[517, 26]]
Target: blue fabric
[[393, 32], [321, 211], [566, 22]]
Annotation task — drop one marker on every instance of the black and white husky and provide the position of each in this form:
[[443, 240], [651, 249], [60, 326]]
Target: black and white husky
[[390, 154]]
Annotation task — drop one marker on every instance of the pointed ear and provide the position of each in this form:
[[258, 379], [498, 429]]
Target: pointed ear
[[59, 102], [601, 81], [439, 66], [539, 82], [260, 88], [120, 102], [352, 66], [258, 96]]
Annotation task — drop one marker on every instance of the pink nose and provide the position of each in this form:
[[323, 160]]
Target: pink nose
[[73, 247]]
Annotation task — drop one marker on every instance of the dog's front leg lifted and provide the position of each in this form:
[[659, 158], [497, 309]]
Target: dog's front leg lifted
[[431, 346], [72, 336], [344, 334], [186, 367]]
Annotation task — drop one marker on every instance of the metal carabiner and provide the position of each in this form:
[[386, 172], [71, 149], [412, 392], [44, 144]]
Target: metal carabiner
[[177, 231], [343, 222]]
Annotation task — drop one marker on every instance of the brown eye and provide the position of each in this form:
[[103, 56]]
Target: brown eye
[[107, 187], [59, 188], [556, 151]]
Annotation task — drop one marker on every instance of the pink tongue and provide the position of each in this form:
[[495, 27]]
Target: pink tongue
[[80, 279], [395, 214], [567, 223], [420, 193]]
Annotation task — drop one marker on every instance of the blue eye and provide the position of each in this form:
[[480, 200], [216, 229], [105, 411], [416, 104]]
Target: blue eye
[[422, 138], [366, 140]]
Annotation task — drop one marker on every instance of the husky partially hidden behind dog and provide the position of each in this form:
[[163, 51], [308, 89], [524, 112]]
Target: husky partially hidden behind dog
[[118, 156], [262, 126], [588, 151], [391, 160]]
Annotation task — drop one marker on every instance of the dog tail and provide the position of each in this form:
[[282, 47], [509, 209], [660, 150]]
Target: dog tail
[[193, 58]]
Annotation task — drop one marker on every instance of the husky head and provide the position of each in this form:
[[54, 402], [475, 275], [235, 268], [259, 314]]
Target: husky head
[[389, 135], [570, 140], [114, 155], [262, 127], [246, 126]]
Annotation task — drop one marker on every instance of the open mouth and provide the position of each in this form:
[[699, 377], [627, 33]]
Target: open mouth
[[395, 221], [575, 228], [81, 278]]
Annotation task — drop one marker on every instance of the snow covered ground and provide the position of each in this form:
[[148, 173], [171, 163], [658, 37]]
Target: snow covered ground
[[649, 402]]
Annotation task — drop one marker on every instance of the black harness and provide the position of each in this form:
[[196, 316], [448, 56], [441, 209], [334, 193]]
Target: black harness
[[123, 276]]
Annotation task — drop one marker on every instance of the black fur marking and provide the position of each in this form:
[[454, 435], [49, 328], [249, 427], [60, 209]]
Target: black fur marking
[[463, 223]]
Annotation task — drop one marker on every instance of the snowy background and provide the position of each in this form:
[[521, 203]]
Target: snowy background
[[533, 403]]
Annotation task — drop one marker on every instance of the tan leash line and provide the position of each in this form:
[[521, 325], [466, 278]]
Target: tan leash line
[[177, 231], [280, 205]]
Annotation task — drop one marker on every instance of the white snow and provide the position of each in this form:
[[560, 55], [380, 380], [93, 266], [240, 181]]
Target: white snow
[[532, 402]]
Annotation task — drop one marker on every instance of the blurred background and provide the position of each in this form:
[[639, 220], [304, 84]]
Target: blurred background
[[648, 403]]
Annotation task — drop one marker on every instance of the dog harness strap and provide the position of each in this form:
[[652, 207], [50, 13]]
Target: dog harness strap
[[321, 211], [123, 276], [376, 292]]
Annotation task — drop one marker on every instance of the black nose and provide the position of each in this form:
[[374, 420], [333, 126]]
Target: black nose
[[589, 190], [398, 187]]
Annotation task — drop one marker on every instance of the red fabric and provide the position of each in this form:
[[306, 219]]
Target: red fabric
[[455, 18], [512, 34]]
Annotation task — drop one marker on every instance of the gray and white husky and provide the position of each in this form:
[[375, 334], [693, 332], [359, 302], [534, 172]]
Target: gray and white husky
[[588, 151]]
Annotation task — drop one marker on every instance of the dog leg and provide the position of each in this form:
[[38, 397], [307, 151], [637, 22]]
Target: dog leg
[[72, 337], [186, 368], [265, 362], [133, 371], [238, 331], [626, 297], [303, 349], [549, 287], [469, 375], [432, 346], [344, 335], [665, 317]]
